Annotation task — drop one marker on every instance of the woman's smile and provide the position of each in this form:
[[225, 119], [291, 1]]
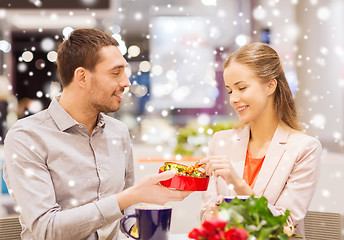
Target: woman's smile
[[241, 109]]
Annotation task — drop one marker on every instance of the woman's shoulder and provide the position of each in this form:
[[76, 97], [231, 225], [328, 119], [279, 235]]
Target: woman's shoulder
[[303, 141], [300, 135], [229, 132], [233, 134]]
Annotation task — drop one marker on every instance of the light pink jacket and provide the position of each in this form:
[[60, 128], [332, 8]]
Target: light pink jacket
[[288, 176]]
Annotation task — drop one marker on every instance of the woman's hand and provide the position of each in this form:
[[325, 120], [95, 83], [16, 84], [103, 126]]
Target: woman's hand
[[211, 209], [219, 166]]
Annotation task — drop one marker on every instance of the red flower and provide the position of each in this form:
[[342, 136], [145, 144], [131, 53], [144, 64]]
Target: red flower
[[214, 224], [212, 229], [198, 233], [236, 234], [218, 236]]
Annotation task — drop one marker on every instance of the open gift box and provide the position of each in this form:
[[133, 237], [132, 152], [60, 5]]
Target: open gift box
[[198, 182]]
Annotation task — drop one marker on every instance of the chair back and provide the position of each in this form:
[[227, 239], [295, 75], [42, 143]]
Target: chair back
[[324, 225], [10, 228]]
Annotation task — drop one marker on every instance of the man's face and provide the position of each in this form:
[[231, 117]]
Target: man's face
[[108, 80]]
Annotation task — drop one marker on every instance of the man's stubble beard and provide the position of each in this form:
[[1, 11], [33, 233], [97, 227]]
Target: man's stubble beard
[[96, 102]]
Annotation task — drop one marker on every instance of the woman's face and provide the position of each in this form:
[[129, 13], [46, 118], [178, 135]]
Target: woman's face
[[248, 94]]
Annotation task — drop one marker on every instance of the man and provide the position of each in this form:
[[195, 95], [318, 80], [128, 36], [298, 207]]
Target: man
[[70, 167]]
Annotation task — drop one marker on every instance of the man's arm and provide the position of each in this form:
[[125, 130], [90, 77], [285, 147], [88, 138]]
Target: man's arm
[[30, 184]]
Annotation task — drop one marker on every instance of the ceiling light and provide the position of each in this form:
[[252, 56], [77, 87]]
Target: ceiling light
[[46, 22]]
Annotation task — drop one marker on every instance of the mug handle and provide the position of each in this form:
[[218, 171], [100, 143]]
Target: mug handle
[[123, 220]]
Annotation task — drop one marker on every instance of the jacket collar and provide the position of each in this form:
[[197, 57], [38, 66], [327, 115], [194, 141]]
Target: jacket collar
[[272, 158]]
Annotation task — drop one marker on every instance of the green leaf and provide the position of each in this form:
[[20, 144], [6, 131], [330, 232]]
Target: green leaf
[[265, 233], [283, 236], [254, 216]]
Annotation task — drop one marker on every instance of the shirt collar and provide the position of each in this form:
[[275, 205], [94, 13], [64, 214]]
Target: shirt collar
[[101, 120], [65, 121]]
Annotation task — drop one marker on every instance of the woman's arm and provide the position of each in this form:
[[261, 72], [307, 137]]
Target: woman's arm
[[298, 191]]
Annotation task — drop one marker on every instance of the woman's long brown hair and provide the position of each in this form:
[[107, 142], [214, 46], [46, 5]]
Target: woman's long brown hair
[[265, 63]]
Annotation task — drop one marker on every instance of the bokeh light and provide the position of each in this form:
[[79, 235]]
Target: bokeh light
[[144, 66], [127, 71], [67, 31], [259, 13], [22, 67], [88, 3], [242, 40], [157, 70], [2, 13], [292, 32], [35, 106], [47, 44], [54, 89], [171, 75], [134, 51], [141, 91], [138, 90], [27, 56], [203, 119], [37, 3], [209, 2], [5, 46], [122, 47], [318, 121], [40, 64], [52, 56], [115, 29], [138, 16], [323, 13], [181, 93], [214, 32]]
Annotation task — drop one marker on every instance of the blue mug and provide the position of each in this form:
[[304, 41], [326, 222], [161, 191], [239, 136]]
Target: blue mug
[[230, 198], [153, 222]]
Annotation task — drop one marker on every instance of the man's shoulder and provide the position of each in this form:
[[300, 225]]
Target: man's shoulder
[[112, 121], [30, 122], [114, 124]]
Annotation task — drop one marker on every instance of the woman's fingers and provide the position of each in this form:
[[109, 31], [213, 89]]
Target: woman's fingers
[[217, 166], [221, 173], [211, 160], [207, 159]]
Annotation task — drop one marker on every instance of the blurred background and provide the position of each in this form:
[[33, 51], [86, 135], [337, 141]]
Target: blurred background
[[176, 50]]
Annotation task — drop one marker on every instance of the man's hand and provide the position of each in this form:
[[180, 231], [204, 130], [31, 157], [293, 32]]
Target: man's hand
[[149, 190]]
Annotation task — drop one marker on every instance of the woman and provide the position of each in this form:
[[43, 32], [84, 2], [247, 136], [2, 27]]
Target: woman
[[269, 155]]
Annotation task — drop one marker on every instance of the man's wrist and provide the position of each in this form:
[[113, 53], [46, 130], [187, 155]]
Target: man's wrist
[[126, 198]]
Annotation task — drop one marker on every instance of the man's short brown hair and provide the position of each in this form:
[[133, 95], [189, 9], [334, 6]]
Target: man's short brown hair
[[81, 49]]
